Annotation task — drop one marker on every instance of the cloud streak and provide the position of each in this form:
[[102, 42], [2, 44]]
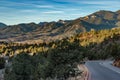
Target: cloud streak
[[49, 10], [53, 12], [44, 6], [101, 2], [28, 10]]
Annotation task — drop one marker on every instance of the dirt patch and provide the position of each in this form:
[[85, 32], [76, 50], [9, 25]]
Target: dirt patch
[[85, 72], [117, 63]]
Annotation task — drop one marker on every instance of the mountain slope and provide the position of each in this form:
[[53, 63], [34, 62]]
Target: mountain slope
[[47, 31], [2, 25]]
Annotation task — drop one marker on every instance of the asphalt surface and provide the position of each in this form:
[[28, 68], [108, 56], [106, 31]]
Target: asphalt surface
[[102, 70]]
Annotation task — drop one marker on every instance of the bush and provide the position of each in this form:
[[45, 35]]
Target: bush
[[2, 63]]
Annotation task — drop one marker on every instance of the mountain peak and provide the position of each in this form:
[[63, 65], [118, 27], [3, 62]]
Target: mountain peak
[[53, 30], [26, 23], [61, 21], [2, 25], [103, 12], [118, 12]]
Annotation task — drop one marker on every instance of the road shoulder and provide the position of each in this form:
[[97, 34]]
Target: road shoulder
[[108, 64], [85, 72]]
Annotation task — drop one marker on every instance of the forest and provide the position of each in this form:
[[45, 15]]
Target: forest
[[59, 58]]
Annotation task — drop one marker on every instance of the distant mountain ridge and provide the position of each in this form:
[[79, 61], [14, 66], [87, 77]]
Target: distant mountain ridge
[[2, 25], [48, 31]]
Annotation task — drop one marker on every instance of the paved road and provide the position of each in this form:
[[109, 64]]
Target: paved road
[[1, 74], [100, 70]]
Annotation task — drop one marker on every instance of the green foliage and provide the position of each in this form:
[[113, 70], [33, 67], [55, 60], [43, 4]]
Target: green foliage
[[2, 63], [21, 69], [56, 62], [114, 50], [57, 58]]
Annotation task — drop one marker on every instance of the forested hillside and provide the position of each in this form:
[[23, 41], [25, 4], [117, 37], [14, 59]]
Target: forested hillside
[[59, 39], [59, 58], [85, 39]]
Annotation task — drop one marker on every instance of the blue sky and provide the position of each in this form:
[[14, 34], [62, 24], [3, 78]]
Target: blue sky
[[25, 11]]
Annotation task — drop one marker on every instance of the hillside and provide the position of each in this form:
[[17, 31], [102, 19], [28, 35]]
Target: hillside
[[49, 31], [96, 42], [60, 57], [2, 25]]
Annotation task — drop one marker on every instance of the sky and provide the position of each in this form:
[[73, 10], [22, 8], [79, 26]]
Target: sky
[[25, 11]]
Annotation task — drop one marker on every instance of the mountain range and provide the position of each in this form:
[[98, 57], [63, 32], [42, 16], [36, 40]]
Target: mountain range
[[48, 31]]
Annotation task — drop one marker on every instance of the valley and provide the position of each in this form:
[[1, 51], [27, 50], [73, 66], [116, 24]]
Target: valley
[[51, 50]]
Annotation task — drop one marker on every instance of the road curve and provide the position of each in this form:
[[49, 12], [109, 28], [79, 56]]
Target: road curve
[[100, 72]]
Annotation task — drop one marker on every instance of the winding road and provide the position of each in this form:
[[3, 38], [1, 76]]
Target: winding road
[[102, 70]]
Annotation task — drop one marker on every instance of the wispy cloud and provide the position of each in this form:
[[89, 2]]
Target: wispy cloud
[[72, 9], [17, 11], [44, 6], [53, 12], [5, 8], [76, 14], [67, 0], [101, 2], [79, 14], [28, 10], [11, 3]]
